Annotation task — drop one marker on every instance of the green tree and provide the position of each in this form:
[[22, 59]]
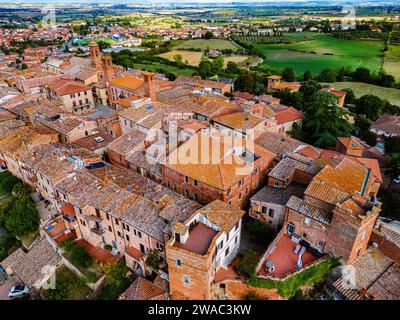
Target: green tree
[[309, 89], [23, 217], [350, 96], [327, 75], [232, 68], [362, 74], [325, 121], [7, 182], [178, 59], [307, 75], [208, 35], [218, 64], [205, 68], [248, 263], [288, 74], [370, 105], [153, 260], [20, 190]]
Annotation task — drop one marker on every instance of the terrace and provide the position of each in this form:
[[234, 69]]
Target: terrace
[[281, 259], [199, 240], [99, 254]]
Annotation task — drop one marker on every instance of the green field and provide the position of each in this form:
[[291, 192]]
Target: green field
[[323, 52], [392, 56], [360, 89], [212, 44], [154, 67]]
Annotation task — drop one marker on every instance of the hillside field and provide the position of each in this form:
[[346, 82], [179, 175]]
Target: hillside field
[[323, 52], [390, 94], [212, 44]]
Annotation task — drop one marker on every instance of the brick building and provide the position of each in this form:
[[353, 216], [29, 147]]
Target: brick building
[[208, 167], [207, 240], [338, 211]]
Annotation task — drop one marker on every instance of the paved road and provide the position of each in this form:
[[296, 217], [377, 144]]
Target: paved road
[[5, 287]]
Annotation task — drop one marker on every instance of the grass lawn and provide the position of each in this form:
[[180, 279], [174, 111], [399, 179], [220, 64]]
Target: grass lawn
[[323, 52], [212, 44], [68, 286], [390, 94]]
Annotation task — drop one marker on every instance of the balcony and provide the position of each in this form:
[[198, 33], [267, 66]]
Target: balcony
[[98, 231]]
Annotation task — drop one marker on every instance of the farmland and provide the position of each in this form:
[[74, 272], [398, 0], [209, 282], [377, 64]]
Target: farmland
[[323, 52], [392, 56], [212, 44], [194, 57], [390, 94]]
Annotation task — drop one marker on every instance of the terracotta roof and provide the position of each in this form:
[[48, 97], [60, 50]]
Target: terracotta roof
[[238, 120], [143, 289], [350, 142], [335, 184], [369, 269], [128, 82], [90, 143], [278, 195], [288, 115], [64, 87], [213, 164], [309, 210], [221, 214]]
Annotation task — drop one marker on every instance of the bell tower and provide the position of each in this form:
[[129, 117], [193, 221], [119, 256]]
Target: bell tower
[[94, 50]]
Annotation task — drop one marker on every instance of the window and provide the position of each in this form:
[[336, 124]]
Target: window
[[236, 239], [126, 227], [127, 237], [116, 222], [226, 252], [304, 235], [307, 221], [185, 179], [276, 184], [107, 216], [178, 263], [241, 182], [139, 234], [220, 245], [247, 190], [194, 197], [109, 228], [186, 279], [271, 213], [83, 223], [97, 212], [160, 246], [229, 191], [119, 234], [240, 196], [257, 170], [264, 209], [195, 182]]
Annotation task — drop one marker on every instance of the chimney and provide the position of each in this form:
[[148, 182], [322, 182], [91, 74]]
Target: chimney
[[364, 185]]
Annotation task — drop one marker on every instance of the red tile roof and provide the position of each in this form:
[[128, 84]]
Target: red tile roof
[[288, 115]]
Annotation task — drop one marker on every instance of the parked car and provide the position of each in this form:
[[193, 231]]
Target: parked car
[[396, 180], [18, 291]]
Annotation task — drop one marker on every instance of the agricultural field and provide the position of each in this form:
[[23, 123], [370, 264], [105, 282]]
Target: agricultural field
[[392, 56], [212, 44], [192, 57], [390, 94], [323, 52], [157, 67], [287, 38]]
